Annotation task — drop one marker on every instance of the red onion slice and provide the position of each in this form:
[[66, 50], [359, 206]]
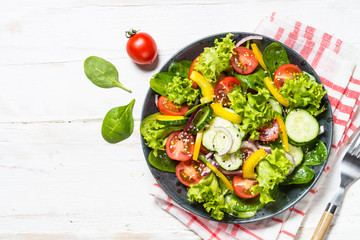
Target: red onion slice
[[292, 160], [209, 155], [245, 39], [189, 122], [266, 148], [230, 142], [231, 173], [249, 145]]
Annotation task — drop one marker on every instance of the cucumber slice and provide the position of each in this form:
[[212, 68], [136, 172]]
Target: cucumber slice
[[208, 137], [220, 122], [297, 154], [236, 138], [229, 162], [202, 117], [301, 127], [221, 142], [275, 105]]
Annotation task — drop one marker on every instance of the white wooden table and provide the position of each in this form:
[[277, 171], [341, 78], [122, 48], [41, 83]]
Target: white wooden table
[[58, 178]]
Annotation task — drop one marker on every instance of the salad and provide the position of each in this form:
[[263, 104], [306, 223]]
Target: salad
[[235, 124]]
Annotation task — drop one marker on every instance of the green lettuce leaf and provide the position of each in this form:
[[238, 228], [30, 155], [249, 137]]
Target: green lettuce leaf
[[210, 192], [271, 171], [304, 92], [253, 109], [215, 60], [179, 91]]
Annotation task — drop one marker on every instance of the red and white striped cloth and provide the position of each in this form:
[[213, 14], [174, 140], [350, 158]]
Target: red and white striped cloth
[[338, 67]]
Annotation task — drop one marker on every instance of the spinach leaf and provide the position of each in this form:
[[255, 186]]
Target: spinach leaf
[[275, 56], [162, 161], [102, 73], [159, 82], [317, 155], [118, 123], [244, 205], [180, 68], [254, 80], [302, 174]]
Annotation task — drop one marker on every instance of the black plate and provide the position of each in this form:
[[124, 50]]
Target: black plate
[[288, 195]]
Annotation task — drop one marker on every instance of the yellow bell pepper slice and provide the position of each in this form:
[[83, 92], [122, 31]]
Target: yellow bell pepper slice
[[270, 85], [226, 182], [258, 56], [251, 162], [207, 89], [283, 134], [197, 145], [222, 112], [168, 117]]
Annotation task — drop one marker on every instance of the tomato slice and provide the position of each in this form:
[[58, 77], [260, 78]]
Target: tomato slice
[[203, 149], [222, 89], [194, 85], [169, 108], [242, 186], [180, 146], [189, 172], [244, 60], [285, 72], [246, 152], [269, 133]]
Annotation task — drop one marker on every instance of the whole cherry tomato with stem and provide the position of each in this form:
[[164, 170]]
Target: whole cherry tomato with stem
[[141, 47]]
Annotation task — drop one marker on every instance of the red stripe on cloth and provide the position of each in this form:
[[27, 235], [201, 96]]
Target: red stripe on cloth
[[307, 49], [339, 121], [204, 226], [297, 211], [338, 46], [309, 32], [215, 234], [327, 167], [351, 93], [288, 233], [157, 185], [279, 33], [331, 85], [333, 101], [353, 127], [170, 204], [344, 108], [191, 221], [293, 36], [277, 220], [248, 232], [354, 80], [333, 146], [313, 191], [272, 17], [325, 43]]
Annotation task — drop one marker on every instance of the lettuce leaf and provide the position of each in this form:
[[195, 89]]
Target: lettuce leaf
[[253, 109], [304, 92], [210, 192], [271, 171], [179, 91], [215, 60], [155, 134]]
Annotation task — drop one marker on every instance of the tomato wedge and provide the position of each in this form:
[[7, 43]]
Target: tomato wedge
[[180, 146], [194, 85], [189, 172], [242, 186], [269, 133], [285, 72], [222, 89], [244, 60], [169, 108]]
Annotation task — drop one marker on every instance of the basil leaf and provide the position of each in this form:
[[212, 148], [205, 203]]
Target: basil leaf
[[180, 68], [102, 73], [317, 155], [275, 56], [159, 82], [118, 123], [302, 174], [162, 161]]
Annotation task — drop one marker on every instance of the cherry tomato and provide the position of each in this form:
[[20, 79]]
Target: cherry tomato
[[169, 108], [269, 133], [194, 85], [285, 72], [242, 186], [244, 60], [246, 152], [141, 47], [189, 172], [180, 146], [222, 89]]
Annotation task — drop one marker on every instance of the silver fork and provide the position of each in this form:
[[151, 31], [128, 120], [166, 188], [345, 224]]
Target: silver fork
[[350, 172]]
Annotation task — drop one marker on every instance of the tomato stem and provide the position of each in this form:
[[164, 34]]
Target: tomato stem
[[131, 33]]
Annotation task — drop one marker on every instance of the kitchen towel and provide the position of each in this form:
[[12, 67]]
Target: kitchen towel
[[338, 66]]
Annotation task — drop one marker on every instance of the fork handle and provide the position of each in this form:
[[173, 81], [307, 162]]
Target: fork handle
[[324, 222]]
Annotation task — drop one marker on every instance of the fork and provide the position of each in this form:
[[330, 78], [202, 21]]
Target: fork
[[350, 172]]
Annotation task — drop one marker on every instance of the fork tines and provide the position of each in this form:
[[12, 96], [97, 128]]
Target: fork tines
[[352, 150]]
